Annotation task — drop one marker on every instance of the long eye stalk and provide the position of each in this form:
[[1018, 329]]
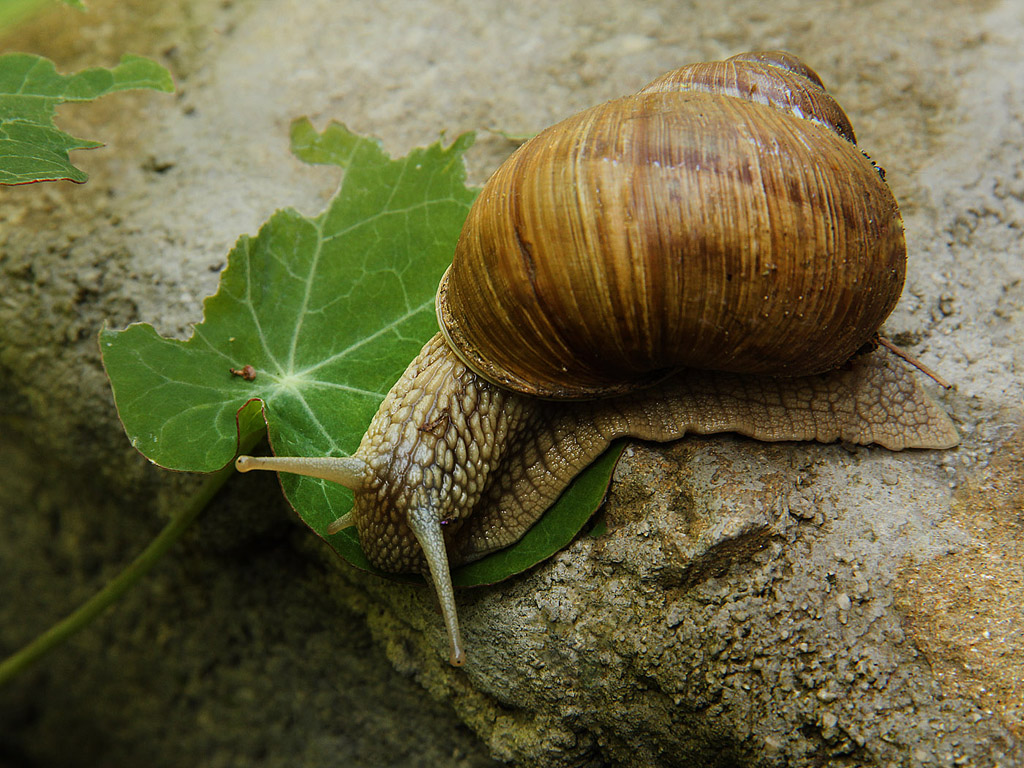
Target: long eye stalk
[[345, 470]]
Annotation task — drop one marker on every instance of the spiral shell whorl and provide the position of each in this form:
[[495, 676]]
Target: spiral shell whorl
[[773, 78], [669, 229]]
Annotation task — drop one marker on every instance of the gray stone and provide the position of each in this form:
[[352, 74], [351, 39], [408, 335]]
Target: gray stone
[[749, 604]]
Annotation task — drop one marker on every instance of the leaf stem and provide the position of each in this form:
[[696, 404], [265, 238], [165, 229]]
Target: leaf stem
[[116, 587]]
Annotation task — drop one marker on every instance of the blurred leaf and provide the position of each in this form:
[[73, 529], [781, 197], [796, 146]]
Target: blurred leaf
[[16, 11], [32, 148]]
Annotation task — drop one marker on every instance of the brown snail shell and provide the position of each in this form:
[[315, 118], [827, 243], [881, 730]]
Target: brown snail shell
[[722, 218]]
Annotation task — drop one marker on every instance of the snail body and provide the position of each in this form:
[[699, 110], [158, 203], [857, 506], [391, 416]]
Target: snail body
[[707, 255]]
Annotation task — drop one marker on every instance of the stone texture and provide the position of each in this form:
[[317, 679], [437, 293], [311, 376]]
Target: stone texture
[[748, 604]]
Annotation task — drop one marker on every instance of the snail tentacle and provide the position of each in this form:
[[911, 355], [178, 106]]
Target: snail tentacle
[[345, 521], [348, 471], [426, 527]]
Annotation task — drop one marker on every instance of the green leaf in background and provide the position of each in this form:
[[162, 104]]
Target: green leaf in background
[[16, 11], [328, 311], [32, 148]]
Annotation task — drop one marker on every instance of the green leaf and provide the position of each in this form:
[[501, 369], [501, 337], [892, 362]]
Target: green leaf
[[328, 311], [32, 148], [16, 11]]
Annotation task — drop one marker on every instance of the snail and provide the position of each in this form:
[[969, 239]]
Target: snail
[[707, 255]]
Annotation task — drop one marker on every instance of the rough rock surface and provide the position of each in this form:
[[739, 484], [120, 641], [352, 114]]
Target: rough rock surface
[[749, 604]]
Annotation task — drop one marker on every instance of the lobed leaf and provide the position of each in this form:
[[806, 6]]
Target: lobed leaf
[[32, 148], [327, 312]]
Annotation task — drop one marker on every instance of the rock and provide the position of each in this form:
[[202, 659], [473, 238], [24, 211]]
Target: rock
[[748, 604]]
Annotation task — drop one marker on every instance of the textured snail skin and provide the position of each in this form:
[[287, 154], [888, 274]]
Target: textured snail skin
[[490, 462], [779, 253]]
